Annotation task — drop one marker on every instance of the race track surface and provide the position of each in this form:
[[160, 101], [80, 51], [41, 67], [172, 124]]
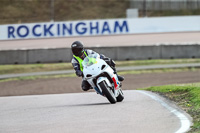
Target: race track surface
[[111, 41], [89, 113]]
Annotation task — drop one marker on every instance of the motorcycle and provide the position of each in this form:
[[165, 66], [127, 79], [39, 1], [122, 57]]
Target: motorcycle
[[102, 78]]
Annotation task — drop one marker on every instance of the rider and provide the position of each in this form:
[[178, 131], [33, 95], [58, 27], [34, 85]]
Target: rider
[[79, 53]]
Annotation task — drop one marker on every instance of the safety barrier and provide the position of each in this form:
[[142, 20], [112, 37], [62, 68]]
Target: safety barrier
[[51, 55]]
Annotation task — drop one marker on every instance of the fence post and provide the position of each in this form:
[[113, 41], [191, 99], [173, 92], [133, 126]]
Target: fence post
[[52, 11]]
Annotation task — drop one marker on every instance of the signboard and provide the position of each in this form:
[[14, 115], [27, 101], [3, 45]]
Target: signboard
[[99, 27]]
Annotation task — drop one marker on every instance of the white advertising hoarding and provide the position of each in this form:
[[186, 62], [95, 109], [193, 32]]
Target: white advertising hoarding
[[99, 27]]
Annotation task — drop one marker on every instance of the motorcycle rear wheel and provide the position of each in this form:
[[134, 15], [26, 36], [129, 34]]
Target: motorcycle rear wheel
[[120, 97]]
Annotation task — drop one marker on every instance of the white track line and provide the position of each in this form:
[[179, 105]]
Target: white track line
[[185, 122]]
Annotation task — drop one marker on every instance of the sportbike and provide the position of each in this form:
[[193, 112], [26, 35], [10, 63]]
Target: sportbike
[[102, 78]]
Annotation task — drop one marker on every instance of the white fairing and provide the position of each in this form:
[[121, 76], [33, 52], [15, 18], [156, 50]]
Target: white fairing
[[93, 68]]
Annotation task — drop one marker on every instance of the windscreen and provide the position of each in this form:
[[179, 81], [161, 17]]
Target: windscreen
[[90, 60]]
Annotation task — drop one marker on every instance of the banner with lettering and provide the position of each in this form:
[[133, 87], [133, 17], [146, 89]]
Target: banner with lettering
[[99, 27]]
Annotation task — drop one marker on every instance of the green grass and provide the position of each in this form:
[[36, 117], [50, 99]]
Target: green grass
[[38, 77], [26, 68], [187, 96], [158, 70]]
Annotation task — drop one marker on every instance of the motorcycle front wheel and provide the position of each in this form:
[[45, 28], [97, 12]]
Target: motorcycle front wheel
[[108, 92]]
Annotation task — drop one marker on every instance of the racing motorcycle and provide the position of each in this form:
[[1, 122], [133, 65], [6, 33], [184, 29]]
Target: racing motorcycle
[[102, 78]]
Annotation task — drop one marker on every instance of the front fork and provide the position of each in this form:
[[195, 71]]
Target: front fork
[[116, 85]]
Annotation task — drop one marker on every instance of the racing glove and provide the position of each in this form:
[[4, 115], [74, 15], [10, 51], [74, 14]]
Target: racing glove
[[79, 73]]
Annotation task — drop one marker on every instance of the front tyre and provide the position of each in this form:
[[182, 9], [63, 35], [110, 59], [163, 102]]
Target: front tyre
[[107, 92]]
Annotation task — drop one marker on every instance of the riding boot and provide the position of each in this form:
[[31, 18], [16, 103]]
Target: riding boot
[[86, 86], [118, 76]]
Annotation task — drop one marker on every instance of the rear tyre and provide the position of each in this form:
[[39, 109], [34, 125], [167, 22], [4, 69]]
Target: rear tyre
[[120, 97], [107, 92]]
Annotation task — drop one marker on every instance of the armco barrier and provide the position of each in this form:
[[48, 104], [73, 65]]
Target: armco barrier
[[31, 56], [138, 52], [107, 51], [13, 57], [49, 55], [183, 51]]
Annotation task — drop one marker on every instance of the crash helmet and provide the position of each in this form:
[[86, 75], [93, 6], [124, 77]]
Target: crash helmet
[[77, 48]]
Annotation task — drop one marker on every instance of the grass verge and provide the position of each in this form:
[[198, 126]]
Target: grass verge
[[27, 68], [38, 77], [187, 96], [120, 73]]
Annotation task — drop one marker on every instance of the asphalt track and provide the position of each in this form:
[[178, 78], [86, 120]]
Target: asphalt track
[[140, 112], [115, 40]]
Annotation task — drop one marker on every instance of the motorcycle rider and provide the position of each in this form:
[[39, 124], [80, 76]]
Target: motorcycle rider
[[79, 53]]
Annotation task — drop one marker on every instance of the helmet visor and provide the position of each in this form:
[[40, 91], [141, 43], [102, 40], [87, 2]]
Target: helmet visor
[[77, 51]]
